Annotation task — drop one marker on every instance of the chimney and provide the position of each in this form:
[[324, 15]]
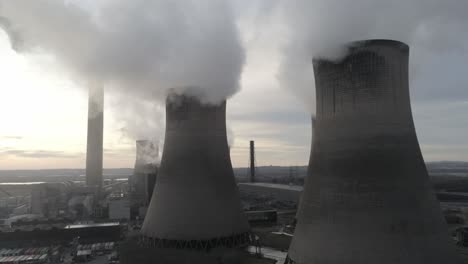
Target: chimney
[[369, 199], [252, 161], [195, 204], [95, 137]]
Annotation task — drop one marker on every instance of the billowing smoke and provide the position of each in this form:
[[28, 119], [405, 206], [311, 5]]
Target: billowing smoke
[[139, 49], [147, 153], [12, 34], [321, 27], [145, 119]]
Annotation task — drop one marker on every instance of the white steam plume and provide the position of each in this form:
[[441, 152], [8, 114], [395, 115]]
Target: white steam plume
[[147, 152], [321, 27], [137, 48]]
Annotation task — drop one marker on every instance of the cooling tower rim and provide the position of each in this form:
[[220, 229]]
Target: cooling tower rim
[[379, 42], [362, 44], [174, 99]]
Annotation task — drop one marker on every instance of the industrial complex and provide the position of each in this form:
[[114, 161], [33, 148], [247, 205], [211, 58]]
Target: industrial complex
[[365, 196]]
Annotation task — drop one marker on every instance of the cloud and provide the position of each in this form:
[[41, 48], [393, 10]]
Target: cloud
[[143, 47], [11, 137], [139, 50], [38, 154], [119, 153], [435, 30], [442, 79], [272, 117], [15, 39]]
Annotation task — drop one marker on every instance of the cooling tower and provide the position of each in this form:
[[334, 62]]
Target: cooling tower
[[367, 197], [195, 203], [146, 156], [144, 176], [95, 137]]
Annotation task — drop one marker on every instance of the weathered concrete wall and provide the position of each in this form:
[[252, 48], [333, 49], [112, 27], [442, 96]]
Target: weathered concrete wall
[[195, 197], [367, 197]]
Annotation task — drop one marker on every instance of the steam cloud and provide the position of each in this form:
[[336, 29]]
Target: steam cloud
[[141, 49], [321, 27], [147, 153], [144, 48]]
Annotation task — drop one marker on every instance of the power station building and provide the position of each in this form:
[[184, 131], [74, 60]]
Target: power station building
[[367, 197], [195, 204]]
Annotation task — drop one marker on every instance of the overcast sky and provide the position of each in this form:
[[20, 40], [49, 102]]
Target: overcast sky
[[43, 108]]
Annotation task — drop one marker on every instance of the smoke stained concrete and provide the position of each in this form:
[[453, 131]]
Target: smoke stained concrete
[[196, 197]]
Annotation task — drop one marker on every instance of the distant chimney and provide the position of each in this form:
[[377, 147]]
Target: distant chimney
[[252, 161], [95, 137]]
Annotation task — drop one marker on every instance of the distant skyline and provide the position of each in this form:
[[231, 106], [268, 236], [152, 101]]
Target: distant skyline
[[43, 113]]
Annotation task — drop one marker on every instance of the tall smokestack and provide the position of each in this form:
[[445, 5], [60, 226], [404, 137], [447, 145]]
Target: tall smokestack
[[195, 204], [367, 197], [252, 161], [95, 137]]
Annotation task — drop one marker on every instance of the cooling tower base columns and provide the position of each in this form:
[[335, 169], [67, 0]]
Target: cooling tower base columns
[[132, 251], [233, 241]]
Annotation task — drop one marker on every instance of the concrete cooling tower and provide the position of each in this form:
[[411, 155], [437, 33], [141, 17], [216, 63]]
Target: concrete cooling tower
[[145, 172], [367, 197], [144, 176], [195, 203]]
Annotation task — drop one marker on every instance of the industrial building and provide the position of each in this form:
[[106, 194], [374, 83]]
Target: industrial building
[[119, 208], [42, 199], [88, 233], [367, 197]]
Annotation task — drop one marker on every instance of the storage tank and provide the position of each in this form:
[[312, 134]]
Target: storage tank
[[367, 197]]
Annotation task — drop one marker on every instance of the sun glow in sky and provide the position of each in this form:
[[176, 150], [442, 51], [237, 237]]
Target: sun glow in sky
[[44, 115], [43, 111]]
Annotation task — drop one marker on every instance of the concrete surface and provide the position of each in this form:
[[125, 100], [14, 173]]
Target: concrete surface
[[367, 197]]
